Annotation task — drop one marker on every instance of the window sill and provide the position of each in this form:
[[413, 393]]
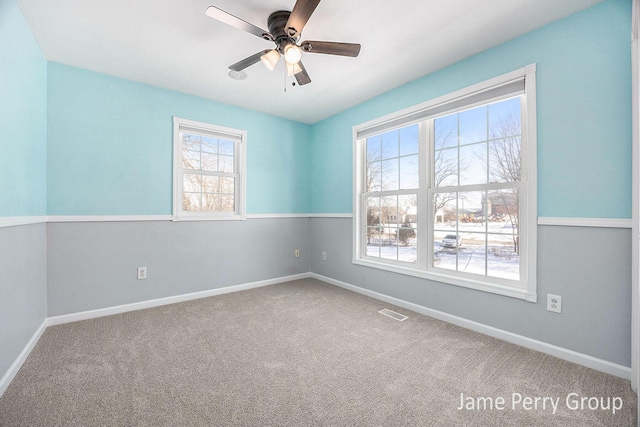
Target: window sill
[[493, 288]]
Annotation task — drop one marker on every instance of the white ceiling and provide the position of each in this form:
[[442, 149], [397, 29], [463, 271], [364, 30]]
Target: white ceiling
[[174, 45]]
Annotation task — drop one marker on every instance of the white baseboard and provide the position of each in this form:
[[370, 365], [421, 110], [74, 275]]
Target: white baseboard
[[553, 350], [101, 312], [17, 364]]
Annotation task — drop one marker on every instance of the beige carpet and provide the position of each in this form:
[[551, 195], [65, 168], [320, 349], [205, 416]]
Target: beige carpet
[[303, 353]]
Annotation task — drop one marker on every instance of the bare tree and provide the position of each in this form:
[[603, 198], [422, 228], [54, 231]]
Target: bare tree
[[377, 173], [445, 167], [504, 160], [202, 191]]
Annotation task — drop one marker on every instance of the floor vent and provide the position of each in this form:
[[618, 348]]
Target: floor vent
[[393, 314]]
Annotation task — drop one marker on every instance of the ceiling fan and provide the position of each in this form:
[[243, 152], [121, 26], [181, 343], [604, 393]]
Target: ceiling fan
[[284, 30]]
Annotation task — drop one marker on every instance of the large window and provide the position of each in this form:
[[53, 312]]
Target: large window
[[446, 190], [208, 171]]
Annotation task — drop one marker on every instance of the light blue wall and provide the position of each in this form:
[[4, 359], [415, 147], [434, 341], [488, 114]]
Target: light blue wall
[[23, 125], [110, 139], [110, 147], [23, 91], [584, 115]]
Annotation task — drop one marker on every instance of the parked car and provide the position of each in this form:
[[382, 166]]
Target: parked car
[[451, 241]]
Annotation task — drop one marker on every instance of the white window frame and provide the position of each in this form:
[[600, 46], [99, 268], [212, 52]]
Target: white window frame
[[478, 94], [240, 141]]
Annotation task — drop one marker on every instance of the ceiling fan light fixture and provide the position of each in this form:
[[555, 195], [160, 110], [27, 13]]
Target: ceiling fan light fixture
[[270, 59], [292, 54]]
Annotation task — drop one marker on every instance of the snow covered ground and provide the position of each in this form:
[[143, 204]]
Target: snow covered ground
[[486, 249]]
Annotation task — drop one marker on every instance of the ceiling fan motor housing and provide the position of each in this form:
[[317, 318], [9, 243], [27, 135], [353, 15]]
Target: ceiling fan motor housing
[[277, 22]]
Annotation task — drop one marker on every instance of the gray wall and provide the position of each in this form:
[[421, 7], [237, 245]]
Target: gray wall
[[72, 267], [589, 267], [23, 288], [93, 265]]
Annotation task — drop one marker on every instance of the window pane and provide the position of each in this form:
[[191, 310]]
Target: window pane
[[226, 147], [373, 241], [504, 160], [227, 185], [374, 177], [473, 125], [373, 250], [191, 183], [389, 242], [446, 168], [389, 210], [209, 184], [407, 244], [503, 256], [390, 175], [191, 202], [471, 210], [211, 202], [445, 211], [209, 145], [209, 162], [373, 148], [408, 207], [227, 203], [503, 210], [389, 223], [409, 140], [473, 164], [373, 211], [191, 159], [504, 119], [226, 164], [390, 142], [190, 142], [407, 234], [409, 173], [472, 253], [445, 250], [446, 131]]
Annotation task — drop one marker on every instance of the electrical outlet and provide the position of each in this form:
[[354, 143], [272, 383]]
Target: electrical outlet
[[297, 253], [554, 303], [142, 273], [324, 256]]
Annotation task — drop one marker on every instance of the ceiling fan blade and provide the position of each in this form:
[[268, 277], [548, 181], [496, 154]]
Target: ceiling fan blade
[[241, 65], [331, 48], [299, 16], [234, 21], [302, 77]]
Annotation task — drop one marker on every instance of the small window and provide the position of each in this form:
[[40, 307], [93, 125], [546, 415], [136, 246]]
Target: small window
[[208, 171]]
